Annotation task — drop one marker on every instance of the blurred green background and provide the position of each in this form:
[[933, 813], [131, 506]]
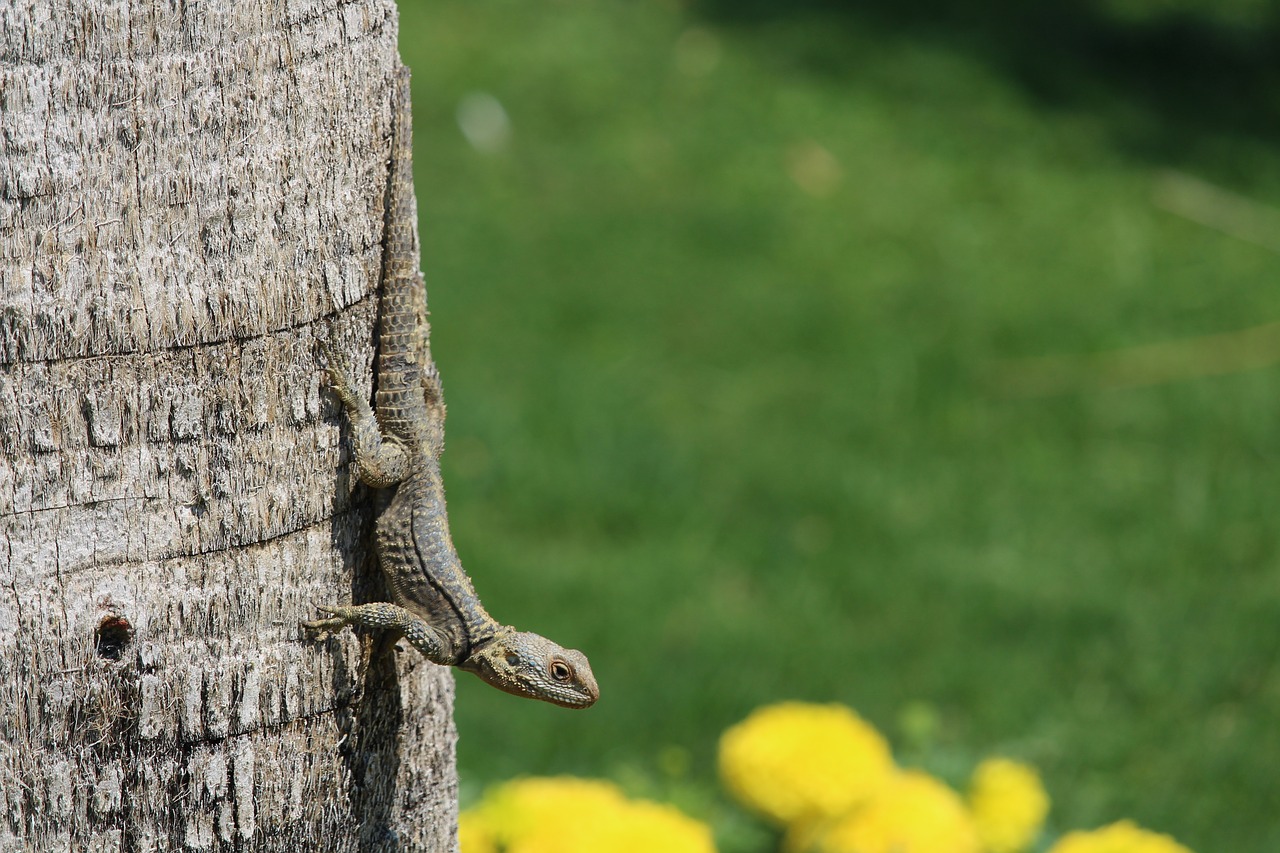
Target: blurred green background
[[740, 307]]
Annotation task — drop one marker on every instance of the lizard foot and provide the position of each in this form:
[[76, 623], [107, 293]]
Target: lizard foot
[[323, 628], [337, 374]]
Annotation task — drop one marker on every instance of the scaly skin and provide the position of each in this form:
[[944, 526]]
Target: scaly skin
[[436, 607]]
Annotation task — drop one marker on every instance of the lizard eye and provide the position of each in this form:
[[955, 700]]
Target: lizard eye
[[561, 671], [512, 658]]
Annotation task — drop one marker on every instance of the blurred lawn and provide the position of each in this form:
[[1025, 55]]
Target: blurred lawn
[[720, 328]]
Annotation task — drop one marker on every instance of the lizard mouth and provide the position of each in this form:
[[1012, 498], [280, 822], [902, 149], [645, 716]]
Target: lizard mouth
[[576, 701]]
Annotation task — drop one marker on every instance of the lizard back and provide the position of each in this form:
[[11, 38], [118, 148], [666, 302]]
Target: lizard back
[[422, 567]]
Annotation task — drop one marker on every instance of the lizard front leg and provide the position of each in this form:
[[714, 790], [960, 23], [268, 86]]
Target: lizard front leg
[[388, 617], [381, 459]]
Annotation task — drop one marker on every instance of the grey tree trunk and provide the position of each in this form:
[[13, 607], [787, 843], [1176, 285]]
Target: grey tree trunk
[[191, 194]]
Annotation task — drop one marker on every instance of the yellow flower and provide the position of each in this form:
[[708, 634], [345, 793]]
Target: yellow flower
[[566, 815], [515, 809], [914, 813], [1008, 804], [1122, 837], [474, 835], [795, 761], [630, 827]]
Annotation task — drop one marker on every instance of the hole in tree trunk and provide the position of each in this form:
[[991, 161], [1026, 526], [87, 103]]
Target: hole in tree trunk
[[112, 637]]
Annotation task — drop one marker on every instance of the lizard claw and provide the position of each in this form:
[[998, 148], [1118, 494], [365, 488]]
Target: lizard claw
[[333, 362], [336, 373], [323, 628]]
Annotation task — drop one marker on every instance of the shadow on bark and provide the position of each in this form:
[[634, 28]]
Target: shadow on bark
[[372, 717]]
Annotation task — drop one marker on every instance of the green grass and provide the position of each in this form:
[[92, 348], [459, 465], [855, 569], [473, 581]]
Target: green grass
[[741, 442]]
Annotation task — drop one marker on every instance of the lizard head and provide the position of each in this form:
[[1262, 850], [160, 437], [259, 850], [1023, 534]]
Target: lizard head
[[528, 665]]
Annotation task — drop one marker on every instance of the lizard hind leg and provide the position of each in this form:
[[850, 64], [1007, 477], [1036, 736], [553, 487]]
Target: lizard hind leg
[[387, 617], [382, 460]]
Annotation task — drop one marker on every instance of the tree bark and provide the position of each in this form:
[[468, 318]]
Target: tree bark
[[191, 194]]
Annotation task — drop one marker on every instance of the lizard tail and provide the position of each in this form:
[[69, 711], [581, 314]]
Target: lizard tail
[[402, 352]]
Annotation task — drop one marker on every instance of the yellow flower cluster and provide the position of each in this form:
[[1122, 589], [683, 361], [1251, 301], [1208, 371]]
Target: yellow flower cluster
[[565, 815], [1122, 837], [828, 776], [795, 762], [1008, 804], [822, 774], [910, 813]]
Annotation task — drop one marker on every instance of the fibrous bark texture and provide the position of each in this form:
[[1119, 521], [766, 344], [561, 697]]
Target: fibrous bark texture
[[191, 194]]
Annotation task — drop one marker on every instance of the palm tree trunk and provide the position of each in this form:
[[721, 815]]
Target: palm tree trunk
[[191, 194]]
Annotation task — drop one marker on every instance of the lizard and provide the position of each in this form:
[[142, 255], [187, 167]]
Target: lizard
[[435, 607]]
